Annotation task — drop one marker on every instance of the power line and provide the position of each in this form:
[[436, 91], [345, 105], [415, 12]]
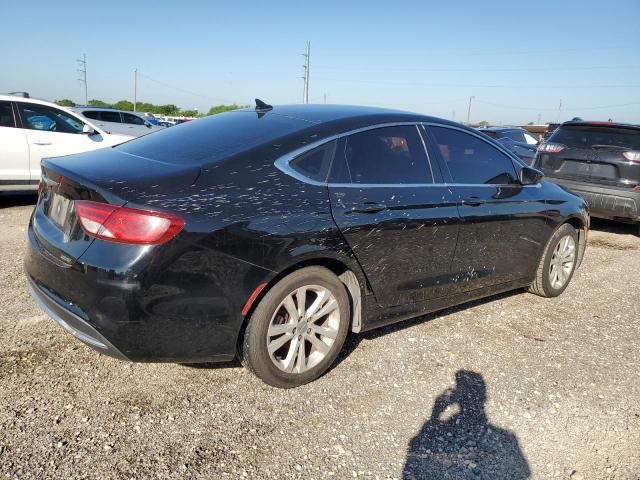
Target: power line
[[164, 84], [83, 75], [512, 107], [450, 54], [487, 69], [418, 84]]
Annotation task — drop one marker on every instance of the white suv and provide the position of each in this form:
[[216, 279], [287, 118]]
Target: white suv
[[31, 130]]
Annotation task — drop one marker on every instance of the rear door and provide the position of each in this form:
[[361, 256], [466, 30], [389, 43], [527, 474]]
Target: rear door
[[399, 219], [503, 223], [592, 154], [14, 150]]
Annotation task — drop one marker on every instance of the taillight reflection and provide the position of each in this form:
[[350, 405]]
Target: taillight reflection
[[551, 147]]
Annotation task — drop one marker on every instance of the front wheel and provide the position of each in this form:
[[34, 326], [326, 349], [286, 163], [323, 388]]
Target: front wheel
[[558, 263], [298, 328]]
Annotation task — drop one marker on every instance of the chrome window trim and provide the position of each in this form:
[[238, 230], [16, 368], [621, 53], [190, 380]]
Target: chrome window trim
[[282, 163]]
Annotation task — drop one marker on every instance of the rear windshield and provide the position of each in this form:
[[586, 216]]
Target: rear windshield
[[586, 136], [211, 139]]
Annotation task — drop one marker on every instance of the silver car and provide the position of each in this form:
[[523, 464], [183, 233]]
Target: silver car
[[117, 121]]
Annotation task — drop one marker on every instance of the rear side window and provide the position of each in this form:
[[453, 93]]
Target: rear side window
[[472, 160], [315, 164], [213, 138], [107, 116], [388, 155], [132, 119], [6, 115], [588, 136], [92, 114]]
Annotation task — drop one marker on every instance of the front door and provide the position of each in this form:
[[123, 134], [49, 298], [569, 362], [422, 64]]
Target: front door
[[503, 223], [52, 132], [399, 219], [14, 150]]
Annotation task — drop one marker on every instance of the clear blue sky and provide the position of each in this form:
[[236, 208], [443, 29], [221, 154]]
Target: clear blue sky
[[517, 58]]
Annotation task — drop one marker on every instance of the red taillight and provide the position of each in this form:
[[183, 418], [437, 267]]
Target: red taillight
[[633, 156], [637, 189], [551, 147], [40, 187], [126, 225]]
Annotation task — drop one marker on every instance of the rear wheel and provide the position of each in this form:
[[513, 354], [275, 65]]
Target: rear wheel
[[558, 263], [298, 328]]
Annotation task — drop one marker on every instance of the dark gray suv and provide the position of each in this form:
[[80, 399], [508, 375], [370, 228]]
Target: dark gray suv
[[601, 162]]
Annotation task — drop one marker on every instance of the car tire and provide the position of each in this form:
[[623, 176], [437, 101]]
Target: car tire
[[558, 263], [298, 328]]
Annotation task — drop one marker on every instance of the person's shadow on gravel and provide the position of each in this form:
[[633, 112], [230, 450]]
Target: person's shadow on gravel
[[457, 442]]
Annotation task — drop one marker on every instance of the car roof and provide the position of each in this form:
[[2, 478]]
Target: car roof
[[583, 123], [16, 98], [332, 113], [499, 129]]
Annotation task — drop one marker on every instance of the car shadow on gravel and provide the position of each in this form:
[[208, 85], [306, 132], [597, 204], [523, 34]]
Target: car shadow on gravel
[[8, 200], [458, 442], [619, 228], [354, 340]]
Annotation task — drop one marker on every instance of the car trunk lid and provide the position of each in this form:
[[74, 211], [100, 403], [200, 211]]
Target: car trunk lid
[[106, 176]]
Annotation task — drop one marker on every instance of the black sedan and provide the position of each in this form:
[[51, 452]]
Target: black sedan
[[272, 233]]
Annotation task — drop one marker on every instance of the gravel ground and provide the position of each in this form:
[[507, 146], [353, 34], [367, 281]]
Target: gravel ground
[[514, 386]]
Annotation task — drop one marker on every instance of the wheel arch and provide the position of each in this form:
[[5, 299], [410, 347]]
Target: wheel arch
[[351, 276], [582, 227]]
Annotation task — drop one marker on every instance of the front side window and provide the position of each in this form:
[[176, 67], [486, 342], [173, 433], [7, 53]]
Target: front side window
[[43, 117], [387, 155], [471, 160], [132, 119], [6, 115]]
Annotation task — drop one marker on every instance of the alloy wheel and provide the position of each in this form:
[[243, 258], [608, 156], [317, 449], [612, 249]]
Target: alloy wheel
[[562, 262], [303, 328]]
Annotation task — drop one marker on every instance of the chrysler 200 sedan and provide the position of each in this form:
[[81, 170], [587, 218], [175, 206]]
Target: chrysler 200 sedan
[[271, 233]]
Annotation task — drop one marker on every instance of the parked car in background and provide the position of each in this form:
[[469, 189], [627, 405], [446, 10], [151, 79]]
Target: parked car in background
[[598, 160], [550, 129], [517, 140], [117, 121], [32, 129], [276, 231], [149, 117]]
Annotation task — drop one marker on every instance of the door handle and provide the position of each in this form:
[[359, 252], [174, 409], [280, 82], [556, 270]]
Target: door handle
[[41, 142], [473, 201], [369, 207]]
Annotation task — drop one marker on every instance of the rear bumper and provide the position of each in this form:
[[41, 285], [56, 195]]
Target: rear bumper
[[143, 305], [604, 201], [72, 322]]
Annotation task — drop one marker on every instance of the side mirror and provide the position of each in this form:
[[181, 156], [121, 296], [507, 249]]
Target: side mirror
[[87, 130], [530, 176], [147, 124]]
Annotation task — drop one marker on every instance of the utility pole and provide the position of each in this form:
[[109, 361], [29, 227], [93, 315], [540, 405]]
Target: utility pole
[[135, 88], [305, 94], [559, 110], [325, 98], [469, 111], [82, 71]]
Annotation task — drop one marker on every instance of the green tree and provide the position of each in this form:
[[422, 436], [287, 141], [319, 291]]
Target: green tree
[[223, 108], [124, 105], [65, 102], [169, 109], [483, 123], [98, 103], [190, 113]]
